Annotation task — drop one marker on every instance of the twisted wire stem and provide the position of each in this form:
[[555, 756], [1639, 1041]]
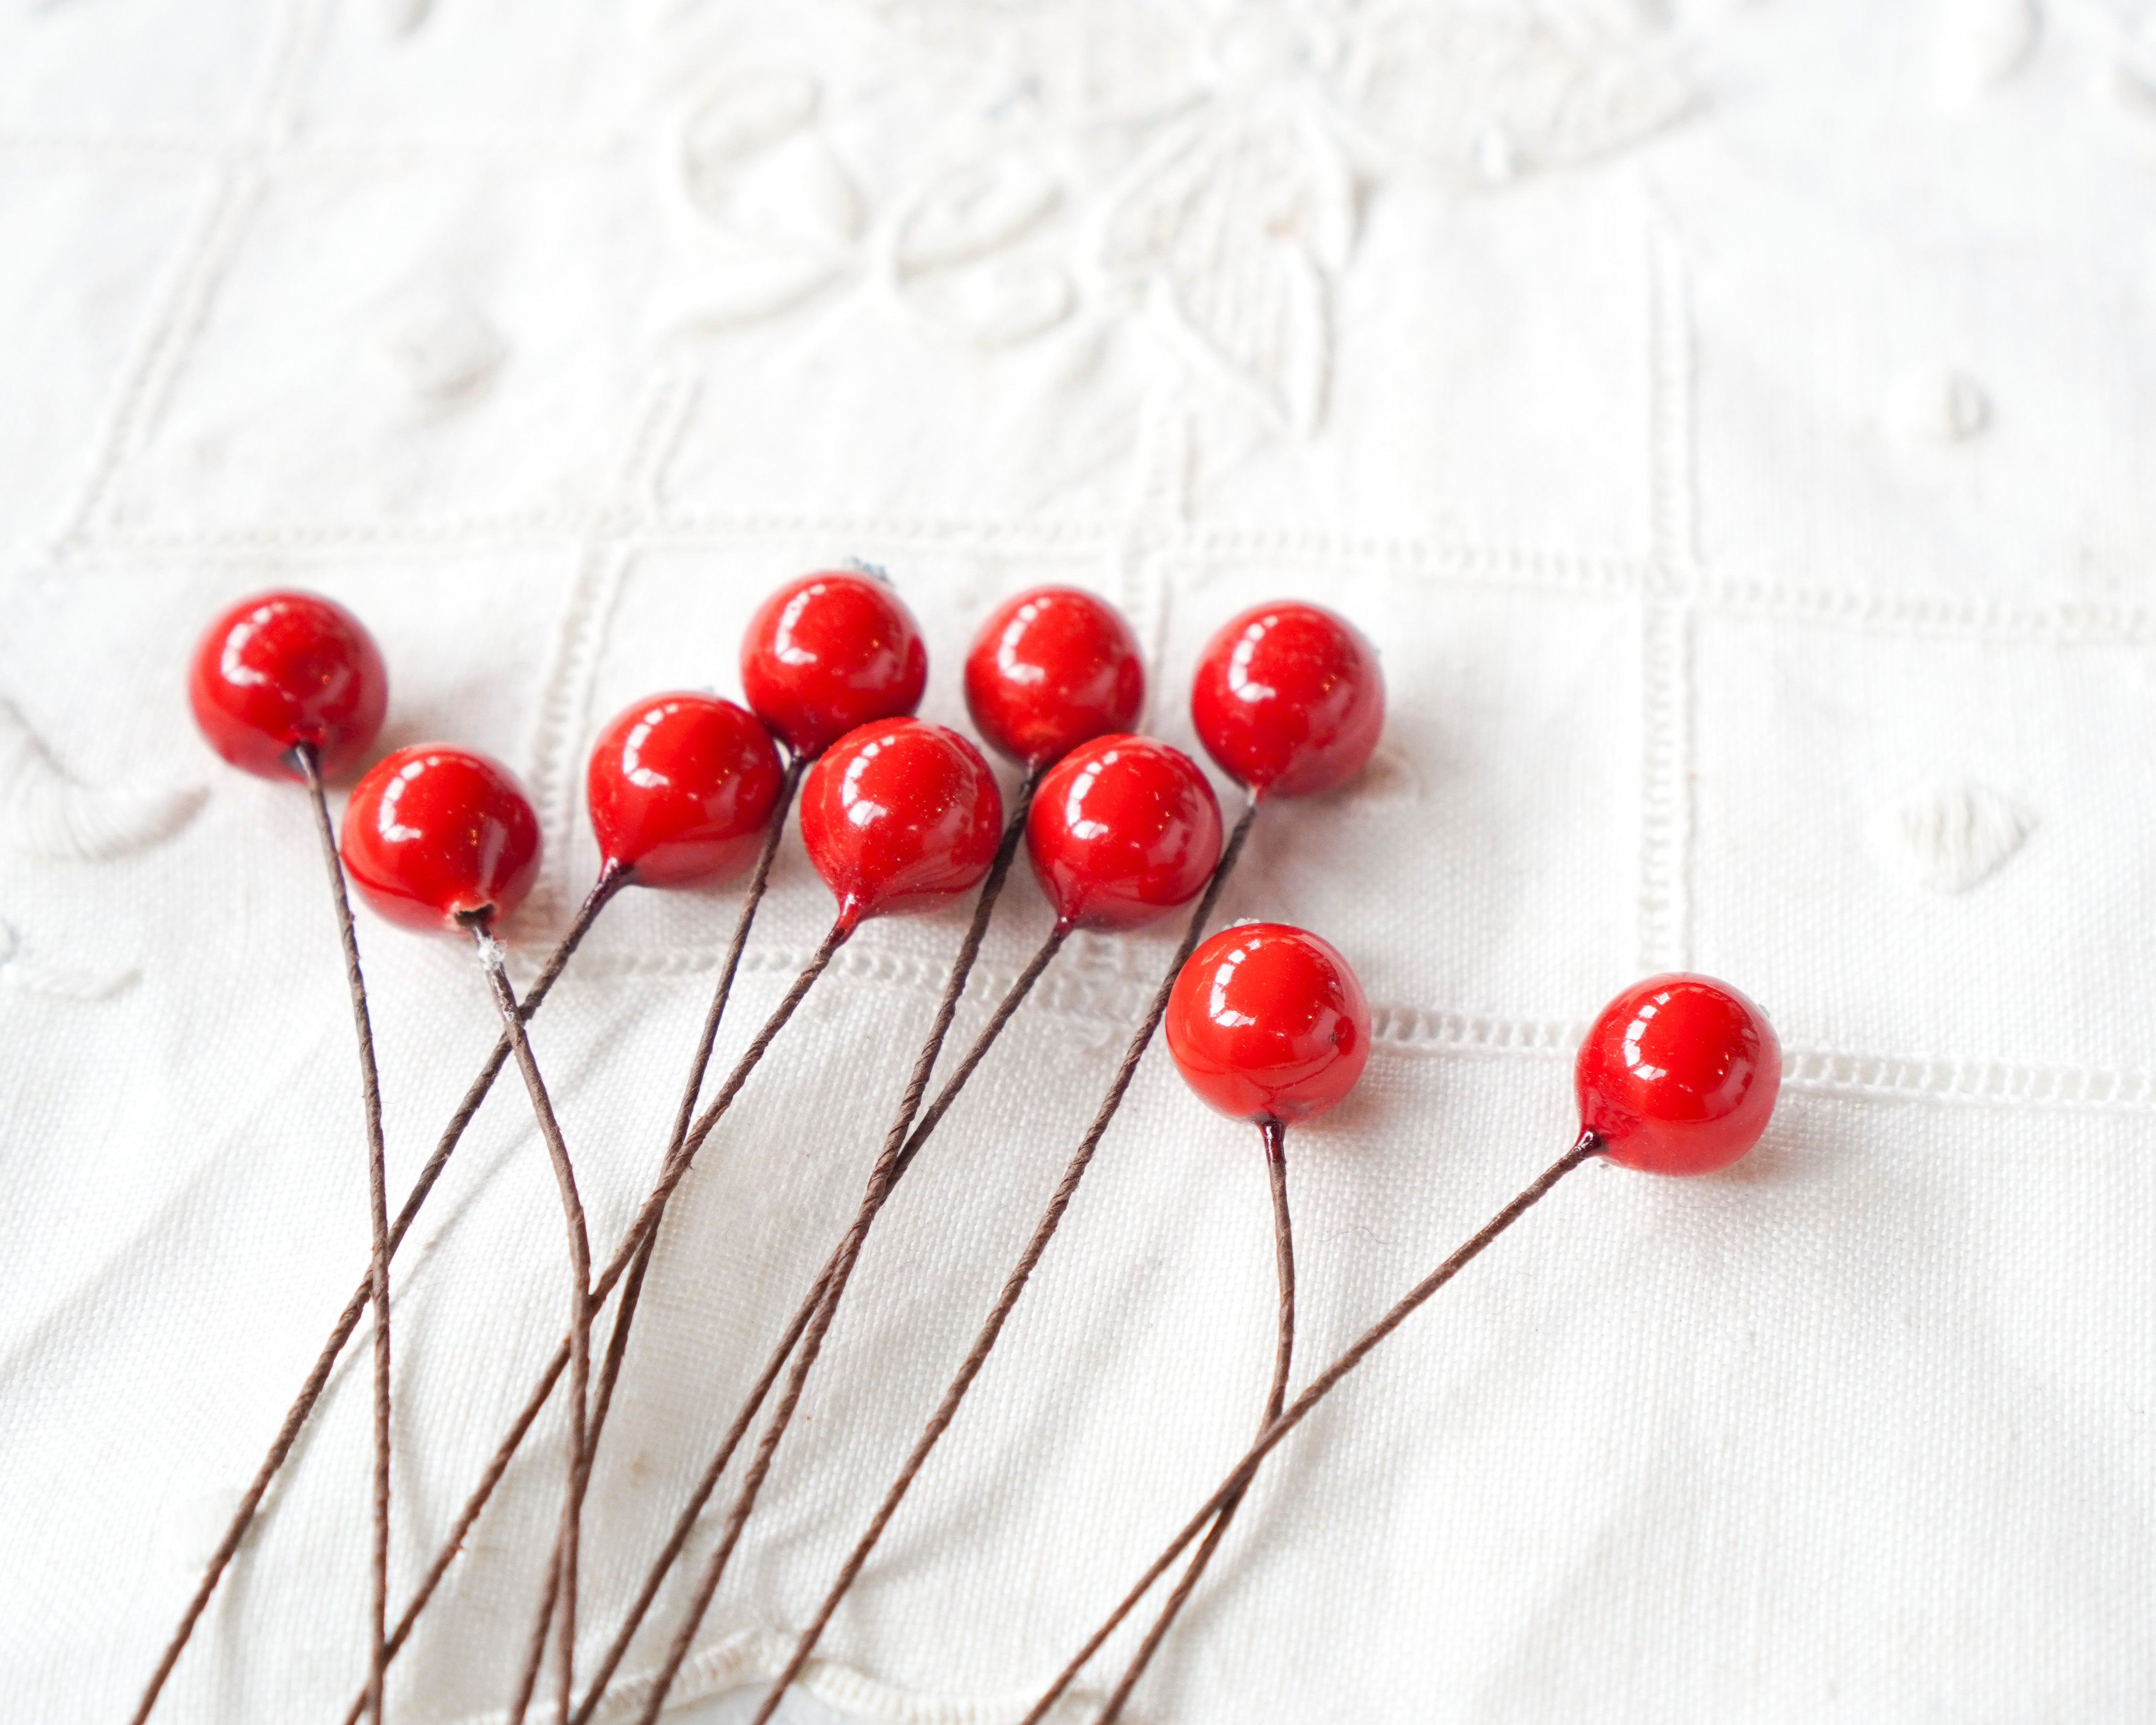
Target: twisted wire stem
[[309, 761], [580, 1295], [632, 1291], [1275, 1137], [821, 1306], [1238, 1478], [318, 1375], [1014, 1286], [626, 1254], [634, 1246]]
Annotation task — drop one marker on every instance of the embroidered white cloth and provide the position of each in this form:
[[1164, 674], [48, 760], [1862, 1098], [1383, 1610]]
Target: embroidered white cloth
[[1734, 422]]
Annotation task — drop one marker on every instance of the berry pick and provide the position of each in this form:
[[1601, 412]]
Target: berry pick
[[284, 669], [318, 1376], [1289, 700], [1033, 686], [828, 653], [284, 684], [443, 838], [823, 651], [680, 788], [1052, 668], [670, 781], [683, 789], [1268, 1024], [1124, 831], [1679, 1075], [899, 816], [440, 838], [1309, 729]]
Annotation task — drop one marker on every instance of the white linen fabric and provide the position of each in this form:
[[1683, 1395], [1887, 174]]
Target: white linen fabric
[[1733, 422]]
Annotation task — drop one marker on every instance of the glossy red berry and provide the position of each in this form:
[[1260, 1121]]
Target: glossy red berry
[[1267, 1022], [1289, 700], [1679, 1075], [899, 816], [286, 668], [1049, 670], [434, 832], [681, 787], [1122, 830], [828, 653]]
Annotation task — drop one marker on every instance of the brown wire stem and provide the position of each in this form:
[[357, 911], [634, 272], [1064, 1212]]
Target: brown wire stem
[[535, 1654], [640, 1230], [635, 1246], [1014, 1286], [318, 1375], [816, 1310], [1238, 1479], [633, 1288], [684, 1523], [1275, 1137], [821, 1306], [309, 761], [580, 1299]]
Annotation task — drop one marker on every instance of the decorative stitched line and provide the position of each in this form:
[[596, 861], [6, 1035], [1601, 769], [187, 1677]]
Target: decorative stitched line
[[2066, 622], [1410, 1030], [557, 732], [187, 150], [204, 250], [1159, 520], [1557, 572], [527, 529], [1666, 810], [1078, 536], [1666, 629], [612, 546], [203, 253], [1994, 1083], [1672, 504], [754, 1656], [1564, 573]]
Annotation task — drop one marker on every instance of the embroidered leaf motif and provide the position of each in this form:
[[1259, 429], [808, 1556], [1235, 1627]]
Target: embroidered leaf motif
[[1494, 94], [441, 346], [735, 282], [1234, 225], [998, 303], [779, 214], [735, 121], [49, 814], [1952, 837], [21, 975], [754, 163], [976, 209]]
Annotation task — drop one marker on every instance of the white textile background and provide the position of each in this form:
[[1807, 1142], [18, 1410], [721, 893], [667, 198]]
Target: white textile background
[[1734, 422]]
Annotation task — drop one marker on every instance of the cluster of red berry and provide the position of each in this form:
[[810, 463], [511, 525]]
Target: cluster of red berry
[[1266, 1022]]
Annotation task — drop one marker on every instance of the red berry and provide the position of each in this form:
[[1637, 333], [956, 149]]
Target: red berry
[[828, 653], [1123, 829], [434, 832], [1679, 1075], [1289, 700], [286, 668], [681, 787], [1267, 1022], [899, 816], [1049, 670]]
